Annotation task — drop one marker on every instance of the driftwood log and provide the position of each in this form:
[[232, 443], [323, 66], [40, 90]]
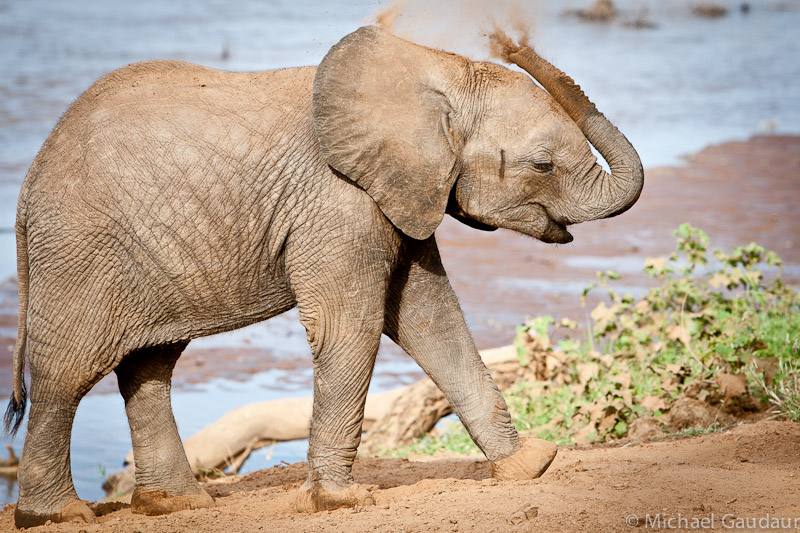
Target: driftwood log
[[391, 419], [9, 467]]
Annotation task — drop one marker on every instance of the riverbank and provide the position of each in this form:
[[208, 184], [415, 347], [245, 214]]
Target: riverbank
[[745, 473]]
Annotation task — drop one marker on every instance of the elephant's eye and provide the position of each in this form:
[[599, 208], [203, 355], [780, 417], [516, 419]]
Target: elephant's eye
[[543, 167]]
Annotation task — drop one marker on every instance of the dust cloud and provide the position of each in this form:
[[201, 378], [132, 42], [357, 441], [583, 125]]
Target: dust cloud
[[473, 28]]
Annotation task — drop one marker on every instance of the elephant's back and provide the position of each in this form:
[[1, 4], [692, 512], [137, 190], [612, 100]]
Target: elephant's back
[[164, 142], [159, 178], [169, 111], [170, 83], [164, 130]]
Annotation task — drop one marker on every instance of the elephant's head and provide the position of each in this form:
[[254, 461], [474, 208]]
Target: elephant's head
[[426, 132]]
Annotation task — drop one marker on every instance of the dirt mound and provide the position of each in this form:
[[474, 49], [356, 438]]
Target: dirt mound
[[745, 473]]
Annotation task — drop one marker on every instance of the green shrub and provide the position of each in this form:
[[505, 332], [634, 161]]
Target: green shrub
[[709, 313]]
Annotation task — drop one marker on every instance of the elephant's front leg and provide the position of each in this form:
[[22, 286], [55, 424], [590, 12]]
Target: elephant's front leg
[[343, 317], [424, 318]]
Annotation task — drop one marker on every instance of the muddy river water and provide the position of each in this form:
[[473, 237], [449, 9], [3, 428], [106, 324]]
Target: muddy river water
[[674, 89]]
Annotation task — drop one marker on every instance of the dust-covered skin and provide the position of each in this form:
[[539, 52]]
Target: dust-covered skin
[[744, 210], [174, 201]]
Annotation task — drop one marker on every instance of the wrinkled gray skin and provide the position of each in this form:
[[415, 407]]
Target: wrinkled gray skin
[[174, 201]]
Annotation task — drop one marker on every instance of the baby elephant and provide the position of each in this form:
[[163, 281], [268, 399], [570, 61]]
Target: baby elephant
[[174, 201]]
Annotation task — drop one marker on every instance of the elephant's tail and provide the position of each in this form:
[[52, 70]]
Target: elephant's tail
[[16, 407]]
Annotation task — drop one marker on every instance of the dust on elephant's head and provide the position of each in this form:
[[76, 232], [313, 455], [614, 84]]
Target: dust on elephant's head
[[426, 132]]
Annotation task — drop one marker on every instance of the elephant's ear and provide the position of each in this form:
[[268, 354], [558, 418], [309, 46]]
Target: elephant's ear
[[382, 118]]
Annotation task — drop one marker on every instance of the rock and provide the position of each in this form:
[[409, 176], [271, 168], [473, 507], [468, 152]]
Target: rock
[[690, 412], [600, 11], [645, 428], [709, 11], [732, 385], [735, 395]]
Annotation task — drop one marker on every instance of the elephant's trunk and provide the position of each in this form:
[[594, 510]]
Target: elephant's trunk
[[611, 194]]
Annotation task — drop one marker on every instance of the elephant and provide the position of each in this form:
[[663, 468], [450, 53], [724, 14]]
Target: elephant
[[174, 201]]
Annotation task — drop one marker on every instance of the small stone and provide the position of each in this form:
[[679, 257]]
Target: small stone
[[531, 512], [489, 482], [524, 514]]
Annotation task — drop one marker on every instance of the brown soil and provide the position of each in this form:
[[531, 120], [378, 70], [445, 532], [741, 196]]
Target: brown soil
[[745, 472]]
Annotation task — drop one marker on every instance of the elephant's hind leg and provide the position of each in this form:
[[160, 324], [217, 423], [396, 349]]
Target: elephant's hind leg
[[164, 480], [46, 491]]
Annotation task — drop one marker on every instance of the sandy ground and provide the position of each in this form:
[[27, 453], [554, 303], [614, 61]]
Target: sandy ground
[[745, 473]]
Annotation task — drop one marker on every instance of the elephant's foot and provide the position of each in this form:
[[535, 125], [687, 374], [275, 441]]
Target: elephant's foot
[[311, 499], [158, 502], [529, 462], [74, 511]]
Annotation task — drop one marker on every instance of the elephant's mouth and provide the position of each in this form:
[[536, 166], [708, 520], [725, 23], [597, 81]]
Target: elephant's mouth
[[554, 232]]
